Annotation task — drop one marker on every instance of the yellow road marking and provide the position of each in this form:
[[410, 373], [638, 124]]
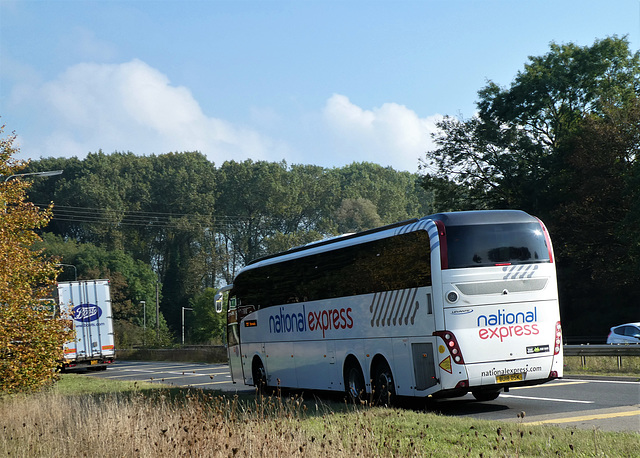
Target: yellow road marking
[[587, 417]]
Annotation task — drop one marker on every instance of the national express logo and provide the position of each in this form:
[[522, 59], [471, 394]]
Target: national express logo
[[502, 325], [86, 313], [325, 320]]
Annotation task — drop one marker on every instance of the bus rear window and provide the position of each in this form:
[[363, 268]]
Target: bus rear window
[[496, 244]]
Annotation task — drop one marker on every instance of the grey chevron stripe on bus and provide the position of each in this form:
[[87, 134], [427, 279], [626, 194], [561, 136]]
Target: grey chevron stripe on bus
[[521, 271], [423, 224], [394, 308]]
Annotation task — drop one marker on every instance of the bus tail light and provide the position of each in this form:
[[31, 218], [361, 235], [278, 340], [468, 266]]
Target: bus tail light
[[558, 342], [462, 384], [452, 345]]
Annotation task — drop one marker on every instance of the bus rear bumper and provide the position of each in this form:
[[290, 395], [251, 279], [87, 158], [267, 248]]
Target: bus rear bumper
[[523, 372]]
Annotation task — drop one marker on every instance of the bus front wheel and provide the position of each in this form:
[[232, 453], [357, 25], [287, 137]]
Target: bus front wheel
[[354, 382], [259, 376]]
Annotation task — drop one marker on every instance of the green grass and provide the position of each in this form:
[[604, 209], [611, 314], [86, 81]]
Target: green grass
[[77, 384], [88, 416], [602, 365]]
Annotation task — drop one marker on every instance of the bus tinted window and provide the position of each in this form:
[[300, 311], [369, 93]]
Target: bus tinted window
[[491, 244], [382, 265]]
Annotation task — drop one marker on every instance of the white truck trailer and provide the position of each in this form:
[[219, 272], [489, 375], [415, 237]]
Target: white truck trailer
[[88, 303]]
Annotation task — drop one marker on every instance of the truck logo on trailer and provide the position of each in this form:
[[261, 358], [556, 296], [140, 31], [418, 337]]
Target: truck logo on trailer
[[86, 313]]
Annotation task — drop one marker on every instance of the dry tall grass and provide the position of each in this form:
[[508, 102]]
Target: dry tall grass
[[163, 423], [133, 425]]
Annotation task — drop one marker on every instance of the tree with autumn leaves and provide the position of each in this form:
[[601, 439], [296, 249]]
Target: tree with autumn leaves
[[31, 338]]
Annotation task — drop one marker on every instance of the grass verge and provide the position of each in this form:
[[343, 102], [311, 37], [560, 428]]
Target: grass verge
[[82, 416], [627, 366]]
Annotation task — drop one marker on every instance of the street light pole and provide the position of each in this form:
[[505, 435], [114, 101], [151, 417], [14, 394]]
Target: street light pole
[[75, 270], [144, 323], [49, 173]]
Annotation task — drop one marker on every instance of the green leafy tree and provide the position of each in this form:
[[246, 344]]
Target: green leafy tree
[[208, 325], [396, 195], [597, 225], [511, 154], [356, 215], [31, 339]]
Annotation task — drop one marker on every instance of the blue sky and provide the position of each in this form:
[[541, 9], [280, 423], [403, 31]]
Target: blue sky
[[308, 81]]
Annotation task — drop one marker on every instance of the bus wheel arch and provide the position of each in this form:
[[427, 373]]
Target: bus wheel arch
[[259, 374], [383, 385], [354, 383]]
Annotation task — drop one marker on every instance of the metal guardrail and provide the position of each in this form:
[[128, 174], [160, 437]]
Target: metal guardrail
[[617, 350], [602, 350]]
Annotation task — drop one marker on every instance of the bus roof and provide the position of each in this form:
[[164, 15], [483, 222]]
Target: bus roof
[[464, 218], [448, 218]]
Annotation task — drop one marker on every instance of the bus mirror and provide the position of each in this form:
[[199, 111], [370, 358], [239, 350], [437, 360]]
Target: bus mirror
[[219, 303]]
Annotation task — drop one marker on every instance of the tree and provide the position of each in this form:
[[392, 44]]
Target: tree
[[396, 196], [209, 326], [31, 340], [355, 215], [511, 154], [599, 236]]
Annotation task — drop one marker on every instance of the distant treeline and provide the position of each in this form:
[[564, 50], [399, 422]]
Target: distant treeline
[[194, 225]]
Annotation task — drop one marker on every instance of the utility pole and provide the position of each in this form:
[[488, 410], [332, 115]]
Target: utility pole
[[183, 309]]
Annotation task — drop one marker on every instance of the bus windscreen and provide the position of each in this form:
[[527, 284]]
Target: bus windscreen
[[496, 244]]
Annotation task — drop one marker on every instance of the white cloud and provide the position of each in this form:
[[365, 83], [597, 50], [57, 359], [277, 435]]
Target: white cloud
[[391, 135], [133, 107]]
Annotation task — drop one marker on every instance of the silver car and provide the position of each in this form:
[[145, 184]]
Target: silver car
[[625, 334]]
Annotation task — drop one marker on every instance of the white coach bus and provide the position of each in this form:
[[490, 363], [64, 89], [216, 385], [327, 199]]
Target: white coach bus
[[439, 306]]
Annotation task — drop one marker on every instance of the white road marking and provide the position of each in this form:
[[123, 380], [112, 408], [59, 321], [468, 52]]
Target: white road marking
[[546, 399]]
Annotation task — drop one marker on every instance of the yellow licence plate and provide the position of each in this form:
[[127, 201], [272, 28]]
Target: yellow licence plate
[[94, 362], [509, 378]]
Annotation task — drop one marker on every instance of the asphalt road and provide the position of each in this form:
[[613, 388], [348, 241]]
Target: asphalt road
[[607, 404]]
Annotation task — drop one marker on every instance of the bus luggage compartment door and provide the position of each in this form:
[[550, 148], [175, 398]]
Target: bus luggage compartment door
[[423, 365]]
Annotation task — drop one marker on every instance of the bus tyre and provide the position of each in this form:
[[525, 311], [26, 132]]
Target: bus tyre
[[259, 376], [354, 382], [384, 389], [484, 395]]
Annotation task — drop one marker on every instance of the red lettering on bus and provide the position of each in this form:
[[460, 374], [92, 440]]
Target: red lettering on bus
[[330, 319], [502, 332]]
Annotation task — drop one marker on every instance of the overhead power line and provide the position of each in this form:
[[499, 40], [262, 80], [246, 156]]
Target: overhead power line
[[91, 215]]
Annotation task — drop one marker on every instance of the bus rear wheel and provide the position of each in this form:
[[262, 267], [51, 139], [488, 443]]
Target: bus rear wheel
[[485, 395], [384, 389], [354, 382]]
